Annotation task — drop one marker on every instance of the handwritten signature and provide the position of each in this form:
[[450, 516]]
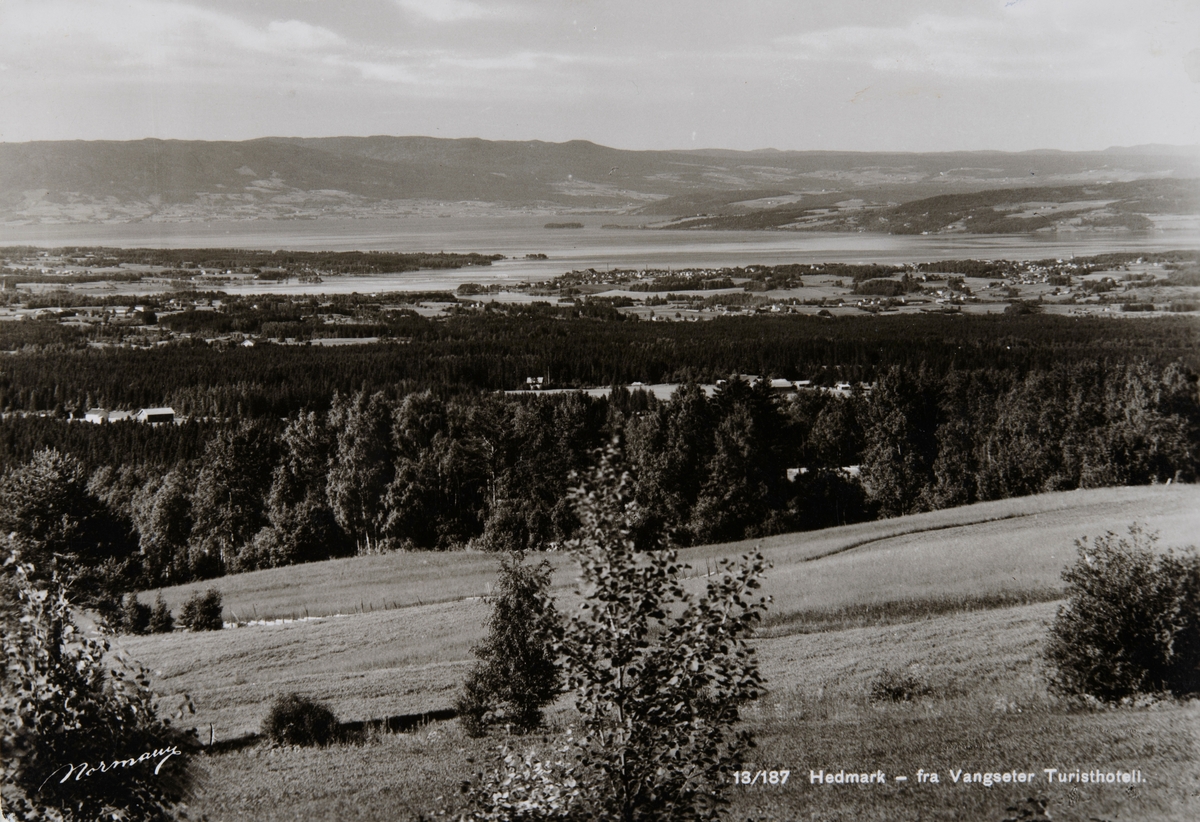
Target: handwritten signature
[[83, 769]]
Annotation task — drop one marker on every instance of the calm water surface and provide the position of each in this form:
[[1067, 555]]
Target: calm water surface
[[567, 249]]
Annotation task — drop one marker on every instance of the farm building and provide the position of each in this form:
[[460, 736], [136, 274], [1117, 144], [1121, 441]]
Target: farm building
[[150, 415], [156, 415]]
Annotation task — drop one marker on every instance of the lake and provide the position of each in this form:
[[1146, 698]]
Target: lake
[[589, 247]]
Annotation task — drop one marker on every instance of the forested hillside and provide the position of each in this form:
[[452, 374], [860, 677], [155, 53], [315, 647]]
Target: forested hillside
[[312, 454]]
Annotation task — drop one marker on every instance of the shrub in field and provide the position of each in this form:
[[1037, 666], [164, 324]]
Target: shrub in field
[[82, 737], [516, 675], [890, 685], [298, 720], [161, 620], [659, 676], [122, 615], [1131, 624], [659, 673], [135, 617], [202, 612]]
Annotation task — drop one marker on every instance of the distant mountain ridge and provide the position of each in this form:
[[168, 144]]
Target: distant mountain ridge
[[1100, 206], [86, 181]]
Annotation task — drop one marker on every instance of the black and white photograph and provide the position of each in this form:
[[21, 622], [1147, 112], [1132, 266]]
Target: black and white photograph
[[530, 410]]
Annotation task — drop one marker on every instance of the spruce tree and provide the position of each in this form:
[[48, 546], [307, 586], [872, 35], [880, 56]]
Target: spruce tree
[[161, 619], [516, 675]]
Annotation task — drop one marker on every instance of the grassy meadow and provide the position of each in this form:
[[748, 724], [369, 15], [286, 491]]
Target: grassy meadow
[[959, 600]]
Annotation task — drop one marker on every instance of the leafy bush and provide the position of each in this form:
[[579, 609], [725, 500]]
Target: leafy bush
[[202, 612], [659, 673], [516, 675], [659, 676], [527, 788], [298, 720], [67, 701], [1131, 624], [891, 685], [161, 620]]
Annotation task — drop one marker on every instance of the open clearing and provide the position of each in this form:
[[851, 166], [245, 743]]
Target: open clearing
[[918, 586]]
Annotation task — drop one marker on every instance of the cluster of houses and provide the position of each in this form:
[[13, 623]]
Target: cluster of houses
[[152, 416], [621, 276], [841, 389], [663, 390], [87, 315]]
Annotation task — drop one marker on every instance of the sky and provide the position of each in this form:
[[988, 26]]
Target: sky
[[861, 75]]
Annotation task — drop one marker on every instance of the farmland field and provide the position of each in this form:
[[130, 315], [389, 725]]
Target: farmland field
[[916, 594]]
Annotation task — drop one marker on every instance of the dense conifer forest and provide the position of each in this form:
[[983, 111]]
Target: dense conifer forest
[[571, 346], [287, 454]]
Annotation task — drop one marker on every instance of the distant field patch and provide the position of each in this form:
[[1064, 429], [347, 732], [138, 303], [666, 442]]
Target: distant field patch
[[893, 611]]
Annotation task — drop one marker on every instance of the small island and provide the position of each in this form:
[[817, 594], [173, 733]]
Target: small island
[[564, 225]]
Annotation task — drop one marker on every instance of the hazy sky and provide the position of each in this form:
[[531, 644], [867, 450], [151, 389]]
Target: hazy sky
[[793, 74]]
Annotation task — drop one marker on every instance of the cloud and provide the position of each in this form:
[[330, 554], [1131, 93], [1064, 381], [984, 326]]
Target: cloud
[[521, 61], [589, 68], [448, 74], [1062, 45], [445, 11], [384, 72], [169, 41], [294, 34], [933, 44], [110, 38]]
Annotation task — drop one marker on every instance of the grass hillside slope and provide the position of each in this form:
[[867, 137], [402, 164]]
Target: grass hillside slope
[[985, 709], [407, 621], [1015, 546], [910, 601]]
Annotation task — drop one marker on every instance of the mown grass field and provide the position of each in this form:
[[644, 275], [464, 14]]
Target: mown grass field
[[910, 594], [1016, 545], [988, 710]]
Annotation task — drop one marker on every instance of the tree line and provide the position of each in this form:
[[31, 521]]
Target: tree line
[[419, 470]]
